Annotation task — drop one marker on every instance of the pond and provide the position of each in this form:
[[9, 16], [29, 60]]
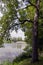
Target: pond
[[11, 51]]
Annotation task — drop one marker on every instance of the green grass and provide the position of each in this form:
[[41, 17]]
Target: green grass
[[28, 62], [25, 62]]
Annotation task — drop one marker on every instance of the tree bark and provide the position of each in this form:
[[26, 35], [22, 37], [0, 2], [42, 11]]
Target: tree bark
[[35, 34]]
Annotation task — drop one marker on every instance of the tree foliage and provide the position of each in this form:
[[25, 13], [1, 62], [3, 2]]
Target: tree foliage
[[26, 14]]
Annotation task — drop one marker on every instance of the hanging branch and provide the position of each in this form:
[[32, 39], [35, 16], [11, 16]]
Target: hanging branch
[[20, 23]]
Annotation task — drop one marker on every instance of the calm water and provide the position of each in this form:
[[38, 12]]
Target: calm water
[[11, 51]]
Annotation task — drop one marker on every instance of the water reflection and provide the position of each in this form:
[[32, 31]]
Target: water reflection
[[11, 51]]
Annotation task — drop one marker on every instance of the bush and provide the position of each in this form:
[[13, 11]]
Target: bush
[[7, 63], [22, 57]]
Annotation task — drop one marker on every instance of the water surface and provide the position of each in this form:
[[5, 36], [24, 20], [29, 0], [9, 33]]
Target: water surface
[[11, 51]]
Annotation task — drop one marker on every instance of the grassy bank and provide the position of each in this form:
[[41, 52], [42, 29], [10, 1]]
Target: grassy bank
[[25, 59], [25, 62], [28, 62]]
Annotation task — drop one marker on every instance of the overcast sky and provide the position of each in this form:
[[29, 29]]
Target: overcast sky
[[14, 34], [1, 15], [18, 34]]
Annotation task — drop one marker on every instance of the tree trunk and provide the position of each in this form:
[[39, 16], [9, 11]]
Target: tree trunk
[[35, 34]]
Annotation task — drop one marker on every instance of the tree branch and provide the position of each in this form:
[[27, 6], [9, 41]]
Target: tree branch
[[21, 22], [32, 4]]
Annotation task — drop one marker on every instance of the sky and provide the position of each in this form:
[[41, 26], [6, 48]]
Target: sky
[[20, 33], [1, 14], [19, 0]]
